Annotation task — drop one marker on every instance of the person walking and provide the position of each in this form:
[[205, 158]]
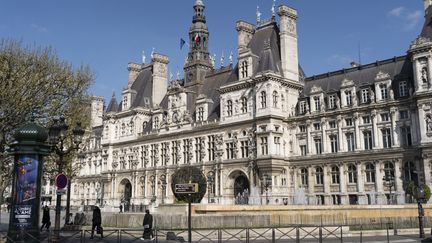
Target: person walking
[[121, 208], [96, 222], [148, 225], [46, 221]]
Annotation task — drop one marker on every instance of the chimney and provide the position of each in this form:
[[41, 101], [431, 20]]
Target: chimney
[[245, 32], [289, 45], [160, 77], [134, 69], [96, 111]]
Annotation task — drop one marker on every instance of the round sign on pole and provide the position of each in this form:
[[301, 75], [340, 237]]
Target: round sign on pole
[[61, 181]]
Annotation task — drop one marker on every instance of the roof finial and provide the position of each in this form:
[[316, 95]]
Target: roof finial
[[222, 60], [258, 13], [231, 57], [178, 75], [113, 95], [273, 8], [199, 3], [143, 57], [152, 53], [171, 76]]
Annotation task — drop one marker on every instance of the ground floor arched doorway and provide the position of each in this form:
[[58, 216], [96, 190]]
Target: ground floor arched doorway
[[126, 194], [241, 189]]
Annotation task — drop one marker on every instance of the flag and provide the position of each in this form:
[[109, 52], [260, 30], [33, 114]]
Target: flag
[[182, 43]]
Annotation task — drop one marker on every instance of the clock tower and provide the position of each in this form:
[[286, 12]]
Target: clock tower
[[198, 61]]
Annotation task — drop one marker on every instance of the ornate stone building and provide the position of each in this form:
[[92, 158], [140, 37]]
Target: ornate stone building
[[260, 129]]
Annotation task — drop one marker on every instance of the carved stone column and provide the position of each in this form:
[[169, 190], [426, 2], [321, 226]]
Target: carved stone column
[[343, 184], [381, 198], [394, 129], [327, 182], [376, 140], [341, 144], [399, 192], [311, 185], [360, 183]]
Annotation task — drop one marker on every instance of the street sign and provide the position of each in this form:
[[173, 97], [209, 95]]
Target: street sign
[[61, 181], [186, 188], [61, 191]]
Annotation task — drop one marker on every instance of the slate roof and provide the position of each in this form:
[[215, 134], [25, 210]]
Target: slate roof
[[427, 27], [143, 87], [113, 105], [399, 68]]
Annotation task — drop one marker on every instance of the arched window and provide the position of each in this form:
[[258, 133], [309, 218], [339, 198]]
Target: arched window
[[304, 177], [229, 108], [275, 99], [319, 174], [244, 105], [352, 174], [144, 125], [263, 98], [335, 175], [409, 172], [370, 173]]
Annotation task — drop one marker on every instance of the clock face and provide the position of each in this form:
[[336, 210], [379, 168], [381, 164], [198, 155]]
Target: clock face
[[175, 116]]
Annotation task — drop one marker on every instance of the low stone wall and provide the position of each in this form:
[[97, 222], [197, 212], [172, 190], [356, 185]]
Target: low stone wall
[[230, 216]]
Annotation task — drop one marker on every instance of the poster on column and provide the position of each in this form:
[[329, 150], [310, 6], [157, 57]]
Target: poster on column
[[26, 188]]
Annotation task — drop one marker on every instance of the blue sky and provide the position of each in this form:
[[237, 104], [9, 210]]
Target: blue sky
[[107, 34]]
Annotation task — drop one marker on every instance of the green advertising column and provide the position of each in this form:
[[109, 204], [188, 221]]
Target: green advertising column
[[28, 150]]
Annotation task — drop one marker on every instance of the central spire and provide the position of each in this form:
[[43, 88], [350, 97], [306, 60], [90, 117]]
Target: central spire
[[198, 62]]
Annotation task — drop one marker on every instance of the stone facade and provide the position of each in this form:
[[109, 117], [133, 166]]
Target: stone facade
[[260, 129]]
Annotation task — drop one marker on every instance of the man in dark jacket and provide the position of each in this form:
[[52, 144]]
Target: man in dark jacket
[[148, 225], [96, 222], [46, 221]]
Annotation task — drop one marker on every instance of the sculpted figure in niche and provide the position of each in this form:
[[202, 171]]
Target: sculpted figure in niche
[[424, 75], [429, 122], [372, 96]]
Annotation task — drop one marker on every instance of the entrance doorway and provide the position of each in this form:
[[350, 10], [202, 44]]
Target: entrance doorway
[[126, 194], [241, 189]]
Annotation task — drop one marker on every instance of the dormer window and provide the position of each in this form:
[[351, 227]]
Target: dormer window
[[365, 96], [275, 99], [244, 69], [229, 108], [384, 91], [302, 107], [263, 99], [156, 123], [125, 102], [403, 89], [348, 96], [244, 105], [332, 101], [317, 102], [200, 114]]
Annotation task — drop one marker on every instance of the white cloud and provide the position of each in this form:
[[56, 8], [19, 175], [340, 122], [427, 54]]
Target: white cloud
[[39, 28], [396, 12], [409, 19]]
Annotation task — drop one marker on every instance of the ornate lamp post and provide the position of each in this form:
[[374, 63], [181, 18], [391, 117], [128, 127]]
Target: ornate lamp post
[[28, 149], [420, 196], [57, 137], [266, 184], [390, 182]]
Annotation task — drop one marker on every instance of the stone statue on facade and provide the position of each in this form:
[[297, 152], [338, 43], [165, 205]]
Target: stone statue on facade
[[424, 75], [429, 122]]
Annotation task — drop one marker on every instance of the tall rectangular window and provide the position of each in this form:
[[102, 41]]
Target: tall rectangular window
[[317, 126], [277, 145], [318, 145], [403, 89], [211, 148], [332, 101], [230, 150], [302, 128], [367, 136], [317, 103], [385, 117], [349, 98], [153, 154], [303, 150], [349, 122], [365, 95], [164, 153], [264, 146], [244, 147], [200, 114], [386, 136], [350, 141], [198, 149], [186, 151], [175, 151], [384, 91], [403, 114], [406, 136], [366, 120], [334, 143], [302, 108]]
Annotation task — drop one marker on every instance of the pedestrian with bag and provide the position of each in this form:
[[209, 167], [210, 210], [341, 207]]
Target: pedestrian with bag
[[148, 226], [46, 220], [96, 222]]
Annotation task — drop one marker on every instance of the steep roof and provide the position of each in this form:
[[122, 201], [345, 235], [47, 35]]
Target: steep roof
[[113, 105], [143, 88], [427, 27], [399, 68]]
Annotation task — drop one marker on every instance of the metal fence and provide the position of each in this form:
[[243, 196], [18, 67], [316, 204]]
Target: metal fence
[[289, 234]]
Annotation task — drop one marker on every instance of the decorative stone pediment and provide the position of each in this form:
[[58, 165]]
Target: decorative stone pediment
[[316, 89], [419, 42], [347, 83], [381, 76]]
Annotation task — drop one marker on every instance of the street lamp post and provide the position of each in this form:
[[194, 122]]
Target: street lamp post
[[389, 179], [57, 137], [420, 196], [267, 184]]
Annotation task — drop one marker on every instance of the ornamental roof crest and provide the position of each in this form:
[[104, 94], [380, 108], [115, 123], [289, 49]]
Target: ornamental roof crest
[[382, 76]]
